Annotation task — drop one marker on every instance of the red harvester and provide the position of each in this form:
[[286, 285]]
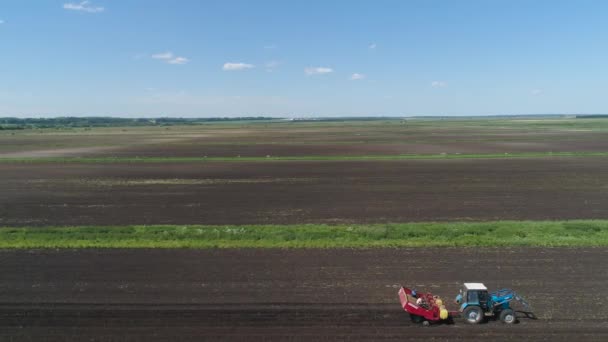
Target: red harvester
[[423, 307]]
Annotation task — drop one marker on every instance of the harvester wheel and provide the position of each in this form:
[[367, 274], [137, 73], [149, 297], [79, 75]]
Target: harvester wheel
[[473, 314], [507, 316]]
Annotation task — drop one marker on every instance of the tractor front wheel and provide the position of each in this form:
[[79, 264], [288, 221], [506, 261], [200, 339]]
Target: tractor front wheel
[[473, 314], [507, 316]]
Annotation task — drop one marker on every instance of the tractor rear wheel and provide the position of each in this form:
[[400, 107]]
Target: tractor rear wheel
[[507, 316], [473, 314]]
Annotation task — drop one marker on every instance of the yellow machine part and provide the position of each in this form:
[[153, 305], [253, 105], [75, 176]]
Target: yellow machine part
[[443, 313], [439, 302]]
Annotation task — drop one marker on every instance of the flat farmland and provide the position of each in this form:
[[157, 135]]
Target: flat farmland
[[95, 183], [296, 295], [303, 192], [350, 138]]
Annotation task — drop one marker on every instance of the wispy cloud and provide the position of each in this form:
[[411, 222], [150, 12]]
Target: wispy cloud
[[318, 70], [356, 76], [169, 58], [372, 46], [271, 65], [83, 6], [270, 46], [163, 55], [439, 84], [236, 66], [178, 60], [1, 21], [536, 92]]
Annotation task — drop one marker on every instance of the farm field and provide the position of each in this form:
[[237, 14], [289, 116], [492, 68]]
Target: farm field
[[287, 192], [453, 177], [298, 295], [349, 138]]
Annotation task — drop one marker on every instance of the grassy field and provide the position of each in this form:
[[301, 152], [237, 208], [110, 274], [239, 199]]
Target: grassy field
[[574, 233]]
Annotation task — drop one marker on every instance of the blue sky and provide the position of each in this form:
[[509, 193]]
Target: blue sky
[[302, 58]]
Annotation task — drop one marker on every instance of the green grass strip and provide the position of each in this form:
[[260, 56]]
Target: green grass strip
[[299, 158], [432, 234]]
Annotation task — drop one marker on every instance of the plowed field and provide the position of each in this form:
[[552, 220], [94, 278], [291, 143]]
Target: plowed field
[[303, 192], [295, 295]]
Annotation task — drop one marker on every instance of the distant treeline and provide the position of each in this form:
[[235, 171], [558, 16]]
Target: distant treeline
[[592, 116], [67, 122], [496, 116], [11, 123], [347, 118]]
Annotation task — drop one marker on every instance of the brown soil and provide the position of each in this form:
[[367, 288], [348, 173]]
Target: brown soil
[[301, 192], [201, 149], [59, 152], [295, 295], [301, 140]]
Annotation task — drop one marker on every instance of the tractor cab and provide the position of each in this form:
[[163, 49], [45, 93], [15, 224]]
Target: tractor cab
[[473, 299], [473, 294]]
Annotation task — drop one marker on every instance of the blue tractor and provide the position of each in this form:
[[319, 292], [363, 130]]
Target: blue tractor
[[476, 303]]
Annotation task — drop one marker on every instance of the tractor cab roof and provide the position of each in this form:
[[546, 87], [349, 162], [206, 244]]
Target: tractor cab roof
[[475, 286]]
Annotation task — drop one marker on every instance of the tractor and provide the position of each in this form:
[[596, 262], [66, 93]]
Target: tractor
[[476, 303]]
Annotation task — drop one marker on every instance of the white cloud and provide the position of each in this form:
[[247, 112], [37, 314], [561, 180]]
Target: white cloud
[[372, 46], [163, 55], [536, 92], [169, 58], [356, 76], [439, 84], [236, 66], [318, 70], [84, 6], [178, 60]]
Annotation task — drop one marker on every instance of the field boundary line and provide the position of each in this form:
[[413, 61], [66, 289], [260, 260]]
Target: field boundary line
[[574, 233]]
